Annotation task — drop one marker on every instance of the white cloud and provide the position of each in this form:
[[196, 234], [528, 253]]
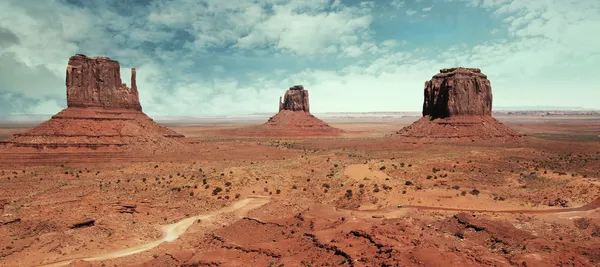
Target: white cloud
[[397, 4], [549, 56], [308, 33], [299, 26], [43, 107]]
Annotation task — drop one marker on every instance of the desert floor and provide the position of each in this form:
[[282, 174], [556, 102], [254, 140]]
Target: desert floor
[[361, 199]]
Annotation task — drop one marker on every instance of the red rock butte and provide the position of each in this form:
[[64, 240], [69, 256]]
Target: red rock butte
[[103, 119], [292, 120], [457, 106]]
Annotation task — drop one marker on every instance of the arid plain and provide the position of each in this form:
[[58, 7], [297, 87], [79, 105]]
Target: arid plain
[[363, 198]]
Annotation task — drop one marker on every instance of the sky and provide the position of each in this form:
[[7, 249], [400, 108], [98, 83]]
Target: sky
[[227, 57]]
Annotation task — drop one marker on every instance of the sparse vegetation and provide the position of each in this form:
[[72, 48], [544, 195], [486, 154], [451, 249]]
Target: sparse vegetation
[[216, 191]]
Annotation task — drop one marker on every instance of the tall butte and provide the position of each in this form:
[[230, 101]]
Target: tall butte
[[103, 119], [292, 120], [458, 107]]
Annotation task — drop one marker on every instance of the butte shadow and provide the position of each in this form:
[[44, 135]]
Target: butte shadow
[[457, 107], [103, 122], [293, 120]]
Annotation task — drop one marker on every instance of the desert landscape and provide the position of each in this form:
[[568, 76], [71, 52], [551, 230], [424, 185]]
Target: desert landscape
[[102, 184]]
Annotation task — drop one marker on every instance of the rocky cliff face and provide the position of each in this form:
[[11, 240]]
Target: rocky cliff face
[[295, 99], [96, 82], [458, 92]]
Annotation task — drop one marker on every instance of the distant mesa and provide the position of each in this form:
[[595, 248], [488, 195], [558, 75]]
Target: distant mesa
[[292, 120], [458, 106], [295, 99], [103, 117], [294, 116]]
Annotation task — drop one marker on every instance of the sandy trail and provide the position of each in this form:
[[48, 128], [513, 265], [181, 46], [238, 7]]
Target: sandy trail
[[173, 231], [590, 206]]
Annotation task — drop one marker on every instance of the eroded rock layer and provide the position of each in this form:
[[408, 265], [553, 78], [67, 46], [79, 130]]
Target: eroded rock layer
[[458, 106], [459, 128], [103, 120]]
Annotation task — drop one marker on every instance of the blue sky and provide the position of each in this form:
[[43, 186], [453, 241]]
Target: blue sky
[[216, 57]]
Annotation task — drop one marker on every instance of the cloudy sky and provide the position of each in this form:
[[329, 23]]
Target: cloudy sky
[[208, 57]]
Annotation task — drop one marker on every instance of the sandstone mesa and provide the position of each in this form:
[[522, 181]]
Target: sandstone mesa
[[96, 82], [103, 115], [457, 106], [458, 92]]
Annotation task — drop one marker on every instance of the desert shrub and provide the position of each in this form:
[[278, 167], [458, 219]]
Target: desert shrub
[[216, 191], [474, 192], [348, 194], [409, 183]]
